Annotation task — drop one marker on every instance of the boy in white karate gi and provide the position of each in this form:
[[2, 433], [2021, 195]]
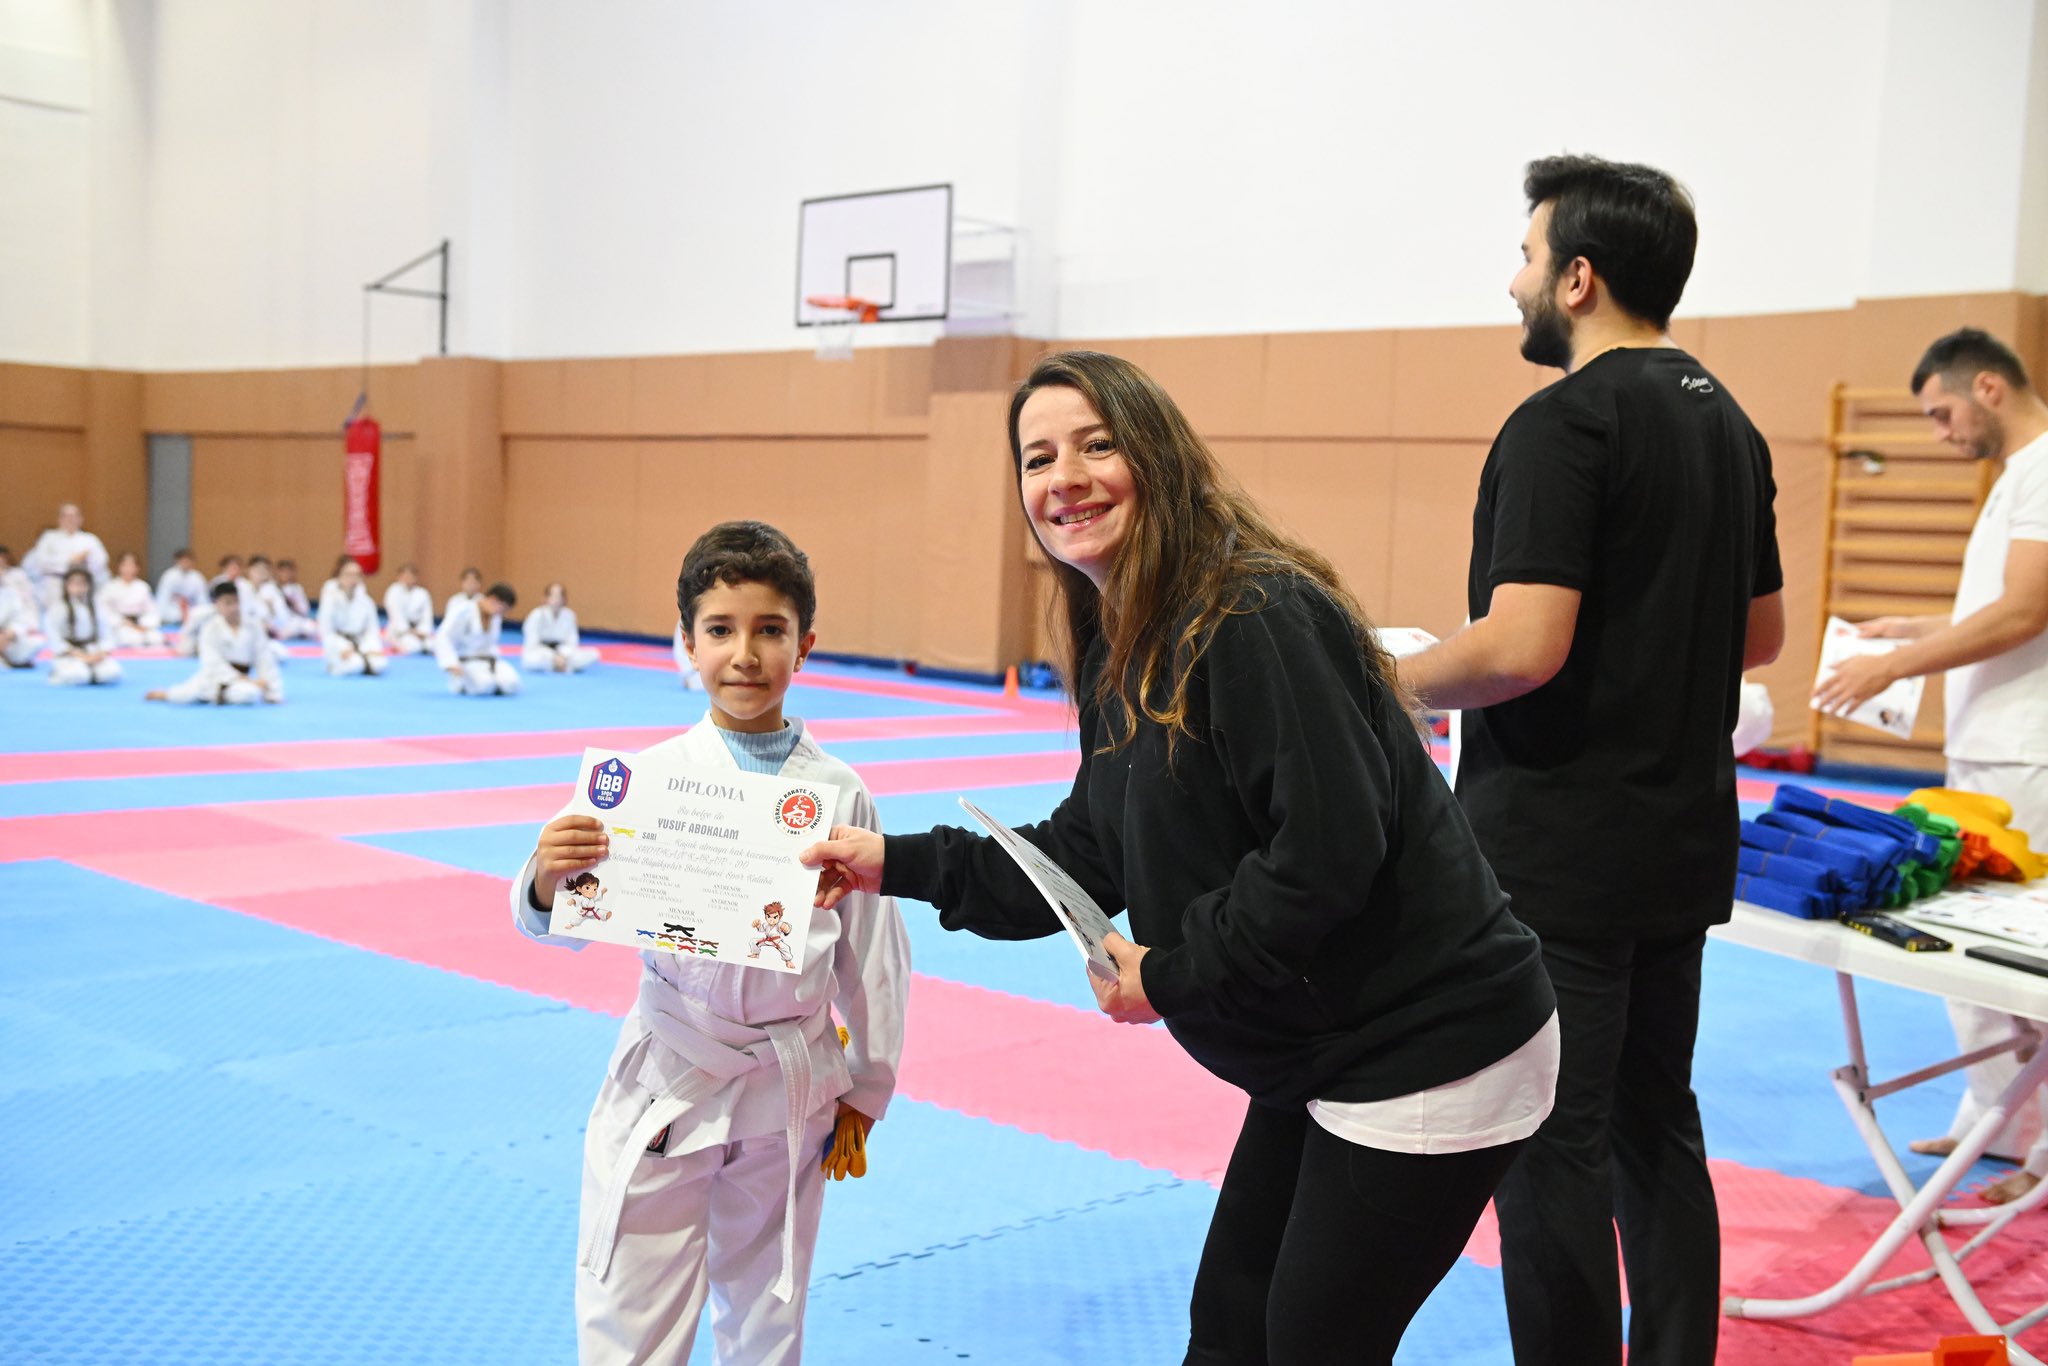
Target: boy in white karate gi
[[466, 646], [81, 640], [552, 642], [63, 548], [472, 590], [21, 632], [13, 576], [232, 574], [701, 1167], [130, 607], [349, 639], [291, 613], [181, 591], [408, 613], [237, 662]]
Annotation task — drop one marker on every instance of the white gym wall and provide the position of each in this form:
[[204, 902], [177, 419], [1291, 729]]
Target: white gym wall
[[624, 178]]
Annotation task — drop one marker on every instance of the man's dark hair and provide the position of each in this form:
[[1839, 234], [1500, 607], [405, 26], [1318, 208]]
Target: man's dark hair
[[183, 553], [503, 593], [224, 589], [747, 552], [1634, 224], [1963, 355]]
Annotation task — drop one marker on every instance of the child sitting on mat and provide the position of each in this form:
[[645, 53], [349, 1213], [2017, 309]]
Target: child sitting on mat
[[692, 1184]]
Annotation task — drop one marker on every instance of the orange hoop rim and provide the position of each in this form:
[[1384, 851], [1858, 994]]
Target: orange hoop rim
[[864, 311]]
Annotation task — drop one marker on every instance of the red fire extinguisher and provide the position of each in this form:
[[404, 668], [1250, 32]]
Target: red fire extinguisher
[[359, 492]]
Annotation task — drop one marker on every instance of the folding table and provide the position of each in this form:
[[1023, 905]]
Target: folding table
[[1956, 977]]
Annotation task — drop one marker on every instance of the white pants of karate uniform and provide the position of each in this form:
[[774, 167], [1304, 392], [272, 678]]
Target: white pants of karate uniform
[[296, 627], [483, 677], [239, 693], [22, 650], [408, 643], [2025, 1136], [137, 638], [541, 659], [707, 1222], [368, 660], [70, 671]]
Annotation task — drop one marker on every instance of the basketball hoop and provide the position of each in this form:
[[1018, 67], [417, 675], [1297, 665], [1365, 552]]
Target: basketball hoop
[[835, 335]]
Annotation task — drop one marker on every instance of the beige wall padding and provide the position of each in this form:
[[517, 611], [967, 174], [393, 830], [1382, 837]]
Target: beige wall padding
[[893, 471]]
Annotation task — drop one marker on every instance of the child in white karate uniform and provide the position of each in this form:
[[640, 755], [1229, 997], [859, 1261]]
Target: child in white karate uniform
[[284, 598], [349, 638], [701, 1170], [552, 642], [466, 646], [12, 575], [472, 590], [21, 632], [408, 613], [130, 607], [237, 661], [181, 591], [80, 638]]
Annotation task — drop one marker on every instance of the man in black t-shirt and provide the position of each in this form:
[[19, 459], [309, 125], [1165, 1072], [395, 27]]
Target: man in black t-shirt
[[1624, 572]]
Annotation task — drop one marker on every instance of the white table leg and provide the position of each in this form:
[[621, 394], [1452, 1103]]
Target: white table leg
[[1919, 1208]]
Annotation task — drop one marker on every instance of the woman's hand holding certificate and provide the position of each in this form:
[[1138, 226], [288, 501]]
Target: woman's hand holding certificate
[[660, 854]]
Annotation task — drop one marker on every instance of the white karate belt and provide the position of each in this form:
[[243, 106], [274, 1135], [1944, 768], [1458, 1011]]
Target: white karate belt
[[718, 1050]]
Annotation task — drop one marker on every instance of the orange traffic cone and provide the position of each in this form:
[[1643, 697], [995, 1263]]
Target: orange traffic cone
[[1010, 682]]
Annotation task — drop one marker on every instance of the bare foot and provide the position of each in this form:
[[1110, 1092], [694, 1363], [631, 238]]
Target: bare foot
[[1933, 1147], [156, 695], [2008, 1188]]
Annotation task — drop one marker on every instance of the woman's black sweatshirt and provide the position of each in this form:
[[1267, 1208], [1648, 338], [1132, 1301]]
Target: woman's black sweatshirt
[[1321, 922]]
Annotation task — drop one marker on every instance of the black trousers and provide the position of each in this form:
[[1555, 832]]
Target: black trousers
[[1321, 1250], [1622, 1148]]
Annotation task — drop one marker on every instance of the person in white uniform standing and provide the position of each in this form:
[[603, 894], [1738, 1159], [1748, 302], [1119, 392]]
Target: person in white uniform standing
[[181, 591], [466, 646], [1994, 647], [130, 607], [552, 642], [700, 1167], [237, 661], [408, 613], [21, 631], [63, 548], [349, 638], [80, 638]]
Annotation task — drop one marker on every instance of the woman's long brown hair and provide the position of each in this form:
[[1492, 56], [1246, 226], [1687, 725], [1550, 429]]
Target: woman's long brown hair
[[1195, 542]]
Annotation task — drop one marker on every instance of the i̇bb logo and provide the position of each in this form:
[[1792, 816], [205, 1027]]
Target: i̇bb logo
[[797, 812], [608, 784]]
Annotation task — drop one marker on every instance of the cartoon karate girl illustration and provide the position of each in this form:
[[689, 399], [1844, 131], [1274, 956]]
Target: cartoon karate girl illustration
[[583, 892]]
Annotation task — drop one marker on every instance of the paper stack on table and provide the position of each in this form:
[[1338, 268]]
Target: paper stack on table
[[2000, 910], [1893, 710]]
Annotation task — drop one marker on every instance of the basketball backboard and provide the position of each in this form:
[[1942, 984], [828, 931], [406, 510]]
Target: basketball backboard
[[891, 247]]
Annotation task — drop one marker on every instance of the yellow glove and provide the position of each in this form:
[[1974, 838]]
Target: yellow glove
[[847, 1154]]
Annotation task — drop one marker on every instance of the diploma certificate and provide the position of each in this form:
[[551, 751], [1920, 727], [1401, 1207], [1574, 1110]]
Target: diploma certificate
[[1893, 710], [1085, 922], [703, 860]]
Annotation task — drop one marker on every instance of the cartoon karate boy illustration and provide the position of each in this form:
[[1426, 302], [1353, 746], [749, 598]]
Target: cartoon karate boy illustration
[[774, 929], [583, 892]]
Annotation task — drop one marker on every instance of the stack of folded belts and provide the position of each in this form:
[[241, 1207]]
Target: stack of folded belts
[[1819, 857]]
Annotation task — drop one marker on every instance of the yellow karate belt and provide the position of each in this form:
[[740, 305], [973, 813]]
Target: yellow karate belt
[[1991, 817], [847, 1154]]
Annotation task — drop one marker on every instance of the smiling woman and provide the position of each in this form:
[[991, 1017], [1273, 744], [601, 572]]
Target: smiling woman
[[1316, 925]]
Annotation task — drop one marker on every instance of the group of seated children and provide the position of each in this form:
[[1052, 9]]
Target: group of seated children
[[234, 623]]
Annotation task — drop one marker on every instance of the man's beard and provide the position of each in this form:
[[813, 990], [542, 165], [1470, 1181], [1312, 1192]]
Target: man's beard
[[1990, 441], [1546, 333]]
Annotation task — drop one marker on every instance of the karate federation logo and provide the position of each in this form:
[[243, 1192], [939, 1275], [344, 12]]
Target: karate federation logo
[[608, 784], [798, 811]]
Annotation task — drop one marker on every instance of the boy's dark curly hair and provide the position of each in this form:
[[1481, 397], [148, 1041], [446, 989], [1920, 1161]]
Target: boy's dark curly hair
[[746, 552]]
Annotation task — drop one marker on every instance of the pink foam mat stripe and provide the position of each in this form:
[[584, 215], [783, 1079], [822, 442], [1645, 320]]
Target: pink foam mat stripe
[[76, 837], [436, 749], [220, 869]]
